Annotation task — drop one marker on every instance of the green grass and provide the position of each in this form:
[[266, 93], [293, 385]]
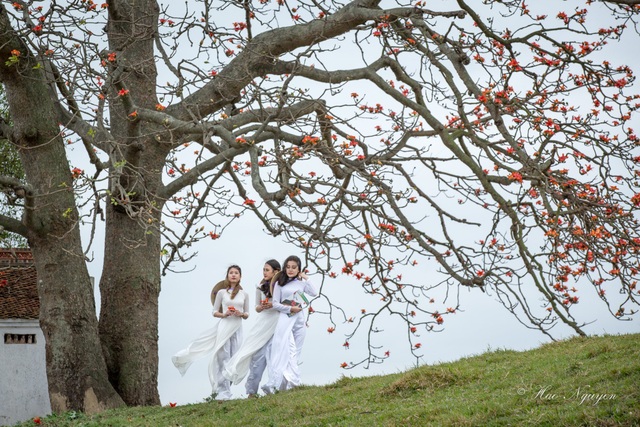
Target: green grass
[[579, 382]]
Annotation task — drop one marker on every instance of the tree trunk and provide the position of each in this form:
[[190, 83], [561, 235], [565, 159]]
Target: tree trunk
[[130, 282], [76, 369], [130, 286]]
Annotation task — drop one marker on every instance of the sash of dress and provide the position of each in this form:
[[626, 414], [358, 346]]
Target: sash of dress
[[238, 367], [203, 345], [199, 348], [226, 328]]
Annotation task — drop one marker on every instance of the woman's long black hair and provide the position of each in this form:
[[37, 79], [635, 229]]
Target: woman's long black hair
[[283, 279], [265, 285]]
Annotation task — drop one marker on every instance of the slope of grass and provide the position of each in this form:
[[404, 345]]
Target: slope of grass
[[579, 382]]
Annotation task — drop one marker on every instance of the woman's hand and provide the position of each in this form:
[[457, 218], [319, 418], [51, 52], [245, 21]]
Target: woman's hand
[[296, 309], [266, 305]]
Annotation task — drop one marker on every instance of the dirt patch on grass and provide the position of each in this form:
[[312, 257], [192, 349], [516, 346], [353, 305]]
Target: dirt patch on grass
[[427, 378]]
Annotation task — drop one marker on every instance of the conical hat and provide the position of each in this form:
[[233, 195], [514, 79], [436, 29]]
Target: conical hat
[[218, 287]]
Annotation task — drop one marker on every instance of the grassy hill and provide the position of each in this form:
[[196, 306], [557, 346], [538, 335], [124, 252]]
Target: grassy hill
[[579, 382]]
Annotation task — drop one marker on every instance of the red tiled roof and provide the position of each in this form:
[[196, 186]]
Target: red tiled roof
[[18, 285], [15, 256]]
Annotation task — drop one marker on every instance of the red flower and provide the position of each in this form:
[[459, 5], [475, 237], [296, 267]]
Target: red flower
[[37, 420], [76, 172], [513, 63], [387, 353], [418, 345], [249, 202], [123, 92], [344, 365], [331, 329], [515, 176], [172, 404]]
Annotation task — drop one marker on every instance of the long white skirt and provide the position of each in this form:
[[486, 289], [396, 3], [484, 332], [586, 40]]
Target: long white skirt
[[239, 365], [209, 342], [284, 358]]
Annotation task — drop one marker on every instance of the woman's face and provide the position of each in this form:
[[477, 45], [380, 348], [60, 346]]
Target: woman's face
[[233, 276], [292, 269], [268, 272]]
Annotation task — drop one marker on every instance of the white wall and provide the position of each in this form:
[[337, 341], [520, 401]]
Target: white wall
[[23, 377]]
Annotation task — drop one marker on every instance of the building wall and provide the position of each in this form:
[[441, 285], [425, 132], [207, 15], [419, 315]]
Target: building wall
[[23, 376]]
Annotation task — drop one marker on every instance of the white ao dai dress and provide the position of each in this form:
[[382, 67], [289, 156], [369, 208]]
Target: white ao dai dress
[[252, 356], [280, 353], [221, 341]]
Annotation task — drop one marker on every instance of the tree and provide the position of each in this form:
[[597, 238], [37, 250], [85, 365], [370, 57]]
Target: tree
[[513, 115], [10, 168]]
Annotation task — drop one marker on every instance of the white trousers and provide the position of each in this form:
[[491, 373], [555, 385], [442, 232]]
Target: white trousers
[[285, 353]]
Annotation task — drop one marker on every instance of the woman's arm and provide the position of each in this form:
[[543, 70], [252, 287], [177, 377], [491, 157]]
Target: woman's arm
[[245, 306], [258, 300], [277, 295], [309, 287], [217, 306]]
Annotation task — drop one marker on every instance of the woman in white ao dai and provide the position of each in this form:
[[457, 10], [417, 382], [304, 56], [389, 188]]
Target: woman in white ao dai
[[253, 354], [291, 320], [231, 305]]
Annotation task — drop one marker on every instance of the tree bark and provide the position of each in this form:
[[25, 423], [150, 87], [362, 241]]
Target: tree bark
[[130, 286], [130, 282], [76, 369]]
